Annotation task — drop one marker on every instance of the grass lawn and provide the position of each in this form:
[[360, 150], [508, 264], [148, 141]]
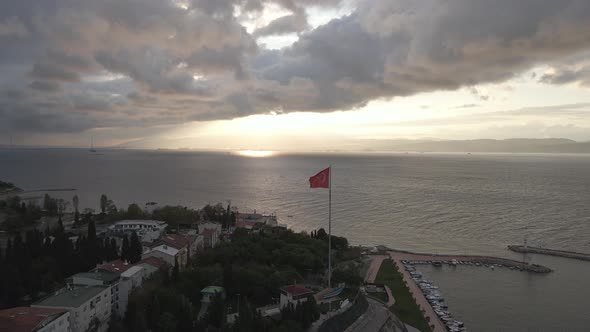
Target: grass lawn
[[405, 308], [379, 296]]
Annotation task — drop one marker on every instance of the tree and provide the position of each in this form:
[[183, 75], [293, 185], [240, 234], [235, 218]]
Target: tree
[[61, 206], [113, 250], [91, 231], [125, 249], [175, 270], [76, 205], [103, 203], [321, 234], [216, 312], [135, 249], [134, 211], [168, 322]]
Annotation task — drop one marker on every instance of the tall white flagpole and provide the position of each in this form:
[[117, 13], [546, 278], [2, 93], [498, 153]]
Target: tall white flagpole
[[330, 230]]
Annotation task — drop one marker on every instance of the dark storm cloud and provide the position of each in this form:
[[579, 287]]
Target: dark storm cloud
[[53, 72], [131, 62], [47, 86], [565, 76]]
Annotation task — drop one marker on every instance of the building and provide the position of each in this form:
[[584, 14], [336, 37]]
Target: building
[[209, 292], [210, 236], [294, 294], [89, 306], [167, 254], [151, 265], [130, 279], [248, 220], [101, 278], [28, 319], [185, 244], [147, 230], [117, 266]]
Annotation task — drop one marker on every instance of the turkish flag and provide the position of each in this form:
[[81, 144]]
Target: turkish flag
[[320, 180]]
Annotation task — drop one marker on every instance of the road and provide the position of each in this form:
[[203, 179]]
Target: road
[[372, 320]]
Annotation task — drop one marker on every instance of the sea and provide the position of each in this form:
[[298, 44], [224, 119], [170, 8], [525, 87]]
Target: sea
[[437, 203]]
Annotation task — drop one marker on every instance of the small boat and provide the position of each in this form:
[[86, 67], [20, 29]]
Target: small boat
[[436, 264]]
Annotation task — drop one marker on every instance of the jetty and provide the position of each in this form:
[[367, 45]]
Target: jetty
[[550, 252], [474, 259]]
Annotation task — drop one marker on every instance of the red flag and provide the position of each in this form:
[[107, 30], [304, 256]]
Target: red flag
[[320, 180]]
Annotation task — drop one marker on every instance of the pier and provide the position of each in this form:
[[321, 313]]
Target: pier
[[510, 263], [550, 252]]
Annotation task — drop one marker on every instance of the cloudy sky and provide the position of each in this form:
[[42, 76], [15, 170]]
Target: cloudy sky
[[291, 74]]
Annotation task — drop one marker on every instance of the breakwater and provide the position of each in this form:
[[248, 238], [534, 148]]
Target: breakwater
[[474, 259], [551, 252]]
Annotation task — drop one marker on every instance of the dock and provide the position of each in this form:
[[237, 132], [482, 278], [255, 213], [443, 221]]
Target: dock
[[550, 252], [483, 260]]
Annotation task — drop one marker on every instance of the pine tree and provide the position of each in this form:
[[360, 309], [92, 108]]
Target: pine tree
[[175, 271], [114, 250], [154, 313], [125, 249], [103, 203], [135, 249]]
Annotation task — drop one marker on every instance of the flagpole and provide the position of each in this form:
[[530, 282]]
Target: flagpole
[[330, 229]]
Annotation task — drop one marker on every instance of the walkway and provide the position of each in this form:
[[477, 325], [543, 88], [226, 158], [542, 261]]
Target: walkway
[[374, 268], [390, 298], [417, 294]]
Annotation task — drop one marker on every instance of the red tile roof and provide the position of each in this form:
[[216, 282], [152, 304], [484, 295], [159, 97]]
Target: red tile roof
[[26, 319], [176, 241], [296, 290], [245, 223], [153, 261], [116, 266]]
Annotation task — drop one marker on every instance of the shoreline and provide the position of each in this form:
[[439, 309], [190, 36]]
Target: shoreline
[[550, 252]]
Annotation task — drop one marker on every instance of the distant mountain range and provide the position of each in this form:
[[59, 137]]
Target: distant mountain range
[[513, 145], [523, 145]]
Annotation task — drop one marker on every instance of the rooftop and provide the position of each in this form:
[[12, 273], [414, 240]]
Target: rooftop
[[168, 250], [71, 298], [177, 241], [212, 290], [296, 290], [141, 222], [131, 271], [153, 261], [27, 319], [116, 266], [106, 277]]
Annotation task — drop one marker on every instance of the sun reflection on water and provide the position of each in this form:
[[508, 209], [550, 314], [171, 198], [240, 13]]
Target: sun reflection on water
[[255, 153]]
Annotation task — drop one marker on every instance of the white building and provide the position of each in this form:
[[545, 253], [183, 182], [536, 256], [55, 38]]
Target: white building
[[101, 278], [89, 306], [147, 230], [294, 294], [130, 279], [165, 253], [27, 319]]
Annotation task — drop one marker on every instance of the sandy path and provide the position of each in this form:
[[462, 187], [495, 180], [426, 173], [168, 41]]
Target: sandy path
[[374, 268]]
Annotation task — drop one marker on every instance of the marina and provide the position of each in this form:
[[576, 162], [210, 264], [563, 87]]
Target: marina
[[434, 298], [486, 261]]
